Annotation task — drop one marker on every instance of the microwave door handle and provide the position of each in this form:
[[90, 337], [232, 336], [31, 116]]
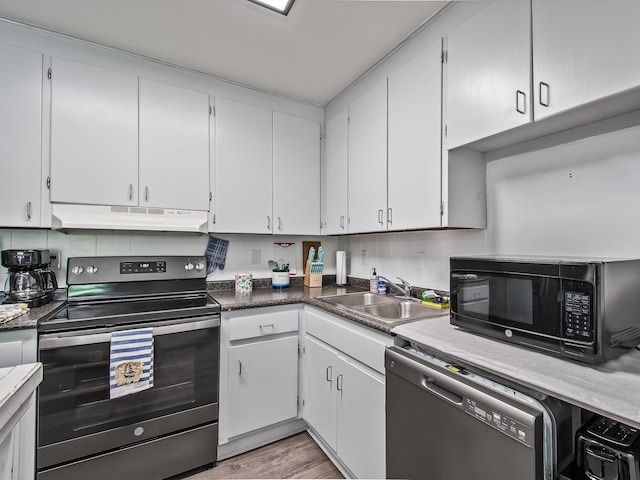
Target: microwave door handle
[[57, 340]]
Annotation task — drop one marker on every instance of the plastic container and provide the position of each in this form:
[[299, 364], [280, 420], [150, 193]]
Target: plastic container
[[373, 282], [382, 287]]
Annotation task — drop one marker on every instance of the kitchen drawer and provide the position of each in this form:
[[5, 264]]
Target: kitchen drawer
[[260, 325], [359, 342]]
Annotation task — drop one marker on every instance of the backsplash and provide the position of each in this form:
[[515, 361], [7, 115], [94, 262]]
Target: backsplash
[[240, 254]]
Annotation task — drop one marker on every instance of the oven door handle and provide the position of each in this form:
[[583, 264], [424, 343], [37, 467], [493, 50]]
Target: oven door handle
[[69, 339]]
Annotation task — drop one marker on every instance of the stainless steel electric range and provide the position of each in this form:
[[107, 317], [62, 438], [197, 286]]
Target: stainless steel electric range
[[164, 430]]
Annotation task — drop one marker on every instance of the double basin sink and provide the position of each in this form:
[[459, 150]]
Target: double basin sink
[[384, 308]]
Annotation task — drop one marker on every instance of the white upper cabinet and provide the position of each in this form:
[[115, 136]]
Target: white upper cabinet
[[20, 136], [243, 191], [583, 51], [367, 164], [174, 147], [94, 135], [267, 171], [296, 175], [334, 175], [489, 72], [415, 92]]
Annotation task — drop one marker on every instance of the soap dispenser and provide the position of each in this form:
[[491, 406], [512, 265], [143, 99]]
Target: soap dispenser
[[373, 281]]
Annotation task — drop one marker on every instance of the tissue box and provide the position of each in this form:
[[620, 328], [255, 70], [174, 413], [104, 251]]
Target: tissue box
[[244, 283]]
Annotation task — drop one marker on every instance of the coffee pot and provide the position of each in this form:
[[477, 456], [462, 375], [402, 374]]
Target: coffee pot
[[29, 280]]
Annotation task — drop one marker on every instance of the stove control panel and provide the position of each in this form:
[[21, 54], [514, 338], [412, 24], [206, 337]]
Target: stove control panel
[[143, 267], [90, 270]]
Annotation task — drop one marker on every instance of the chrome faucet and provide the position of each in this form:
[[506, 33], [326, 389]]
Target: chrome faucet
[[405, 289]]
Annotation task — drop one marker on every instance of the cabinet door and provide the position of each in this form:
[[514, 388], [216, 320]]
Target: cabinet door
[[334, 175], [174, 147], [320, 372], [94, 135], [367, 152], [296, 175], [361, 420], [415, 92], [20, 136], [489, 72], [243, 193], [583, 51], [263, 384]]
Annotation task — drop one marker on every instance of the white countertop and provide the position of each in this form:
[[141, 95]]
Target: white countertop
[[16, 386], [611, 389]]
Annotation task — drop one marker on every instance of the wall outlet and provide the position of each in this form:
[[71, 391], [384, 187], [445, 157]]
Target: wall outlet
[[363, 257], [256, 257]]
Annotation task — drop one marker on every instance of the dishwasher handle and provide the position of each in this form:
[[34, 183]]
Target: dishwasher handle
[[432, 385]]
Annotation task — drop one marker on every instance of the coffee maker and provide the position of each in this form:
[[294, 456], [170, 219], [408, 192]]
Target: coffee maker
[[30, 278]]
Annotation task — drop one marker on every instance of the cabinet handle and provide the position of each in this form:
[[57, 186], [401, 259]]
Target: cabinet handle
[[546, 88], [146, 193], [380, 215], [279, 223], [239, 367], [521, 94], [339, 380], [329, 373], [28, 210], [268, 222], [389, 215], [131, 191], [342, 222], [267, 325]]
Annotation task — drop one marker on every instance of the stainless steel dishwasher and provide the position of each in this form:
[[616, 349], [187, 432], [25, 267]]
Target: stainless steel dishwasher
[[446, 423]]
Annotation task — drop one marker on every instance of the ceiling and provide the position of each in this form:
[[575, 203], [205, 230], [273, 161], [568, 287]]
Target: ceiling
[[311, 55]]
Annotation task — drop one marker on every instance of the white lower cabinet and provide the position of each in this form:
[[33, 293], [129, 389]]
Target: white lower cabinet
[[263, 383], [258, 369], [344, 390], [18, 347]]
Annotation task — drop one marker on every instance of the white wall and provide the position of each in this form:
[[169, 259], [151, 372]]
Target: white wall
[[91, 244], [580, 198]]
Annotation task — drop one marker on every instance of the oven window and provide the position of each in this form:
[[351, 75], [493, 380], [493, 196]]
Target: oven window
[[511, 300], [74, 394]]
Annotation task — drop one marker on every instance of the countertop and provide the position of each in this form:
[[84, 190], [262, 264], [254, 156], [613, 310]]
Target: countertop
[[16, 386], [611, 389], [266, 297], [30, 319]]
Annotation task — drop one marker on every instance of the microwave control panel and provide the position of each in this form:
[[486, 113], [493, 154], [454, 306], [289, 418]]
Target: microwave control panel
[[577, 317]]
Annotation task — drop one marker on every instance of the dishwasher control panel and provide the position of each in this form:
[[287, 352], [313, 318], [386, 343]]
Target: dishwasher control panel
[[499, 421]]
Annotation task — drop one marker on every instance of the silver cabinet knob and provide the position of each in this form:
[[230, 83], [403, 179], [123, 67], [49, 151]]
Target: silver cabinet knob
[[188, 266], [91, 269], [199, 266], [77, 270]]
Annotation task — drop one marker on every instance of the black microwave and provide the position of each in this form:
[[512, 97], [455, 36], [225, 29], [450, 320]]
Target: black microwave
[[578, 308]]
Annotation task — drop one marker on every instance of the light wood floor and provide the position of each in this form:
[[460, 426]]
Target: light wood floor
[[295, 457]]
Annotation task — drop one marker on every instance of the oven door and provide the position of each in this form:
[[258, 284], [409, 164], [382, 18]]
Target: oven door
[[76, 417], [519, 301]]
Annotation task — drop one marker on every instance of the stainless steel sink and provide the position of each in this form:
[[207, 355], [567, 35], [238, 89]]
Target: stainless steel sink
[[357, 299], [383, 308]]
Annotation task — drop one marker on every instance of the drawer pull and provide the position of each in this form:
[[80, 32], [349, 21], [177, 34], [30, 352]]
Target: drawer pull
[[267, 325], [329, 373], [240, 367]]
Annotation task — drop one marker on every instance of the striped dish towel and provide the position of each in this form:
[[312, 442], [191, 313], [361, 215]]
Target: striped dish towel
[[131, 362]]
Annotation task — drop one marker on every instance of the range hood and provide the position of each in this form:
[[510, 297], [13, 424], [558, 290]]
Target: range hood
[[104, 217]]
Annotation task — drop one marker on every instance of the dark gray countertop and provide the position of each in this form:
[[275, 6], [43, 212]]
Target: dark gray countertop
[[30, 319], [268, 297]]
